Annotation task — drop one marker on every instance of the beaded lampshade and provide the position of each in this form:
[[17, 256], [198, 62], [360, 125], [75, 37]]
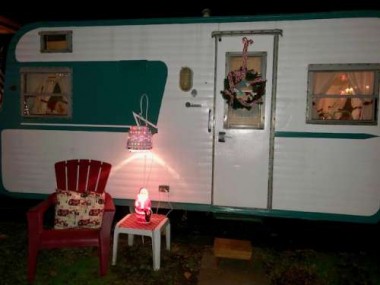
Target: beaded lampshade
[[139, 138]]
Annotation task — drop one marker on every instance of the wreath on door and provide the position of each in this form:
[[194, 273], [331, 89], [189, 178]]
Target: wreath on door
[[242, 87]]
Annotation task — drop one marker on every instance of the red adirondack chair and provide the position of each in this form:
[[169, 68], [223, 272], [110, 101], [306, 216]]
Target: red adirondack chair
[[80, 176]]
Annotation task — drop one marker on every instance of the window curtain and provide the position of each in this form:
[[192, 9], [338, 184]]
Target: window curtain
[[362, 83], [344, 83], [53, 90], [328, 83]]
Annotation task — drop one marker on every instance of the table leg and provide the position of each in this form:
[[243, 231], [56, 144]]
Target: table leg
[[156, 248], [130, 239], [167, 234], [114, 247]]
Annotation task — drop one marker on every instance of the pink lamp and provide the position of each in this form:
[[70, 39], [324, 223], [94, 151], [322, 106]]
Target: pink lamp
[[139, 138], [143, 206]]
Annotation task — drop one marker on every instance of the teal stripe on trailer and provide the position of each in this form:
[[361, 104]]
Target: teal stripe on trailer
[[228, 211], [105, 95], [234, 213], [323, 135]]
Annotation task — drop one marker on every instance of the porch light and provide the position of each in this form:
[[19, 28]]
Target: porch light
[[186, 79]]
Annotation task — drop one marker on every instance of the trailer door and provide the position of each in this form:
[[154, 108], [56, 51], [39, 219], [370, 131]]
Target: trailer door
[[243, 141]]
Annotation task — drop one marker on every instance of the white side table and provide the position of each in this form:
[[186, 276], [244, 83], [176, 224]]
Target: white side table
[[129, 225]]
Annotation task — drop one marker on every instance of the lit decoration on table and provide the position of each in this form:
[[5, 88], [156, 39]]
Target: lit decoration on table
[[243, 88], [143, 206]]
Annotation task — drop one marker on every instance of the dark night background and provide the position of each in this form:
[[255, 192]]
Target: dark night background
[[98, 10]]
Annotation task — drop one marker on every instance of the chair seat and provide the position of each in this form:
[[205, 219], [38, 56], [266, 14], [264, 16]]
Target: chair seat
[[69, 238]]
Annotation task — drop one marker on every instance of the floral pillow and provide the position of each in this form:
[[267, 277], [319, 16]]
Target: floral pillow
[[78, 210]]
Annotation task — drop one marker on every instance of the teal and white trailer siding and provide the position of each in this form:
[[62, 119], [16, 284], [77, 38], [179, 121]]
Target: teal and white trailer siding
[[288, 168]]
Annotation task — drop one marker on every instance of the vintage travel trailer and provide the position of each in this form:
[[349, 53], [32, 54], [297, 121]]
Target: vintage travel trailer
[[259, 116]]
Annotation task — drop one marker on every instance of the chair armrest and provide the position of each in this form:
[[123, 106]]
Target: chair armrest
[[108, 215], [109, 204], [35, 215]]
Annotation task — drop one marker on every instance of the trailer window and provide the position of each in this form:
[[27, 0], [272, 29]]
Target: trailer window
[[343, 94], [46, 92], [57, 41], [244, 118]]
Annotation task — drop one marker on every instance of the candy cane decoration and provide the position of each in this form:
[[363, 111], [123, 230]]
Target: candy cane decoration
[[238, 75], [246, 43], [242, 92]]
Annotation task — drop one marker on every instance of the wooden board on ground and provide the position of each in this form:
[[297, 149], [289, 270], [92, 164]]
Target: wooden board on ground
[[232, 248]]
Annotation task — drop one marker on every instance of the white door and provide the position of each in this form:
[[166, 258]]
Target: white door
[[243, 136]]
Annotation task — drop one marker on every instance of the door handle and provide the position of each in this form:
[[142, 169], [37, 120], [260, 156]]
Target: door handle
[[209, 121], [191, 105]]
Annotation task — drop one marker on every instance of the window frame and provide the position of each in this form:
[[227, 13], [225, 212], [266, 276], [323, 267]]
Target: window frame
[[68, 35], [27, 94], [312, 68]]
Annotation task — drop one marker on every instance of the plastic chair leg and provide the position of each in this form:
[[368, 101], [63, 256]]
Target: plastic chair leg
[[32, 263]]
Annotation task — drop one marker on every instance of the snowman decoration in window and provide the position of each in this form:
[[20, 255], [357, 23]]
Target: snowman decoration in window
[[243, 88]]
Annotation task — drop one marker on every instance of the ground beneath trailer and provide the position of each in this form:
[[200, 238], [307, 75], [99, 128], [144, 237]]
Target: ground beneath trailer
[[284, 252]]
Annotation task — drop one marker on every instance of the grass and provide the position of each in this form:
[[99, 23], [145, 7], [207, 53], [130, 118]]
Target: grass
[[285, 256], [80, 266], [312, 267]]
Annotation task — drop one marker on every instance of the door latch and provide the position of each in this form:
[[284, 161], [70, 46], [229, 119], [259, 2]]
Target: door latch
[[222, 137]]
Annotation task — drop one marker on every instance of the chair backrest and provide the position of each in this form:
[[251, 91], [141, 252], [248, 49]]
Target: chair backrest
[[82, 175]]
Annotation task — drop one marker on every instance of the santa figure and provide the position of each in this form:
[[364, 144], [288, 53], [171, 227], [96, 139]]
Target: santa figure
[[143, 206]]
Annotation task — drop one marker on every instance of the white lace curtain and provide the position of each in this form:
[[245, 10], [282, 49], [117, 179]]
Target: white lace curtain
[[344, 84]]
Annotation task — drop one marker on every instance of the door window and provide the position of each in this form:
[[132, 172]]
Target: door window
[[246, 118]]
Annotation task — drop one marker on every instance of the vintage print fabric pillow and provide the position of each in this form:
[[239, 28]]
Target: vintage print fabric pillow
[[83, 210]]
